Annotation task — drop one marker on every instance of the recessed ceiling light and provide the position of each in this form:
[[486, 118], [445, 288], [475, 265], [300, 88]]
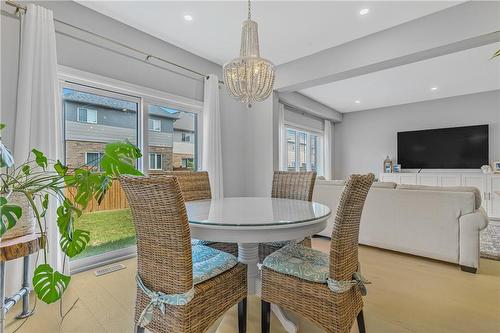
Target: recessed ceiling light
[[434, 88], [364, 11], [188, 18], [357, 102]]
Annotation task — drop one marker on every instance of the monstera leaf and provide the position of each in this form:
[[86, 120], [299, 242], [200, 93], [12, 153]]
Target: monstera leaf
[[9, 214], [49, 285], [64, 217], [74, 245], [119, 159], [85, 183]]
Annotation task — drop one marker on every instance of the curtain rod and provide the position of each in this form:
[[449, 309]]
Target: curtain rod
[[148, 56]]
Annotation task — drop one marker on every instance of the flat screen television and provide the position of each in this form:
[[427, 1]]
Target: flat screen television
[[444, 148]]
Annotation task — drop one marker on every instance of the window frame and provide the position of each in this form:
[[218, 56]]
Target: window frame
[[99, 156], [88, 82], [187, 159], [309, 134], [185, 135], [156, 161], [81, 108], [76, 79], [153, 121]]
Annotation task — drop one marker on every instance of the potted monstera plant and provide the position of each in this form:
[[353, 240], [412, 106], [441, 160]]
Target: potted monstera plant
[[43, 182]]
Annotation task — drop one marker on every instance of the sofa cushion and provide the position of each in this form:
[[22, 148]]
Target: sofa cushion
[[390, 185], [209, 262], [300, 261], [471, 189]]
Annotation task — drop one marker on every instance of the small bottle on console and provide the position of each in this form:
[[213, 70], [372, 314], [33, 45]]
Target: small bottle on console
[[388, 165]]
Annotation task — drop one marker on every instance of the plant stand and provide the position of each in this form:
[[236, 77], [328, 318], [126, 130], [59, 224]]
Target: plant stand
[[13, 249]]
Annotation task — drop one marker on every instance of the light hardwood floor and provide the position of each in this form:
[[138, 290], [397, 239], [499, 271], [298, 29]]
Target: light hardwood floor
[[408, 294]]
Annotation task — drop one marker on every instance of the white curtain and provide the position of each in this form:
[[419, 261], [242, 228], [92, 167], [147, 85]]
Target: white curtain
[[282, 149], [38, 116], [327, 150], [212, 144]]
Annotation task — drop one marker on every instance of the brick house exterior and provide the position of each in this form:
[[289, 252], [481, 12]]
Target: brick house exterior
[[92, 121]]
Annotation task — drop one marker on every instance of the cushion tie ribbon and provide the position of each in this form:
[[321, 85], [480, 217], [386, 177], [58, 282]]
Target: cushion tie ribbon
[[159, 300], [339, 286]]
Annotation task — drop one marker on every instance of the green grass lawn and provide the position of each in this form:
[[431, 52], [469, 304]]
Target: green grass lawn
[[109, 230]]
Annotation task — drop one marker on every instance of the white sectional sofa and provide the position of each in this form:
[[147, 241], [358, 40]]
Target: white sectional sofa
[[436, 222]]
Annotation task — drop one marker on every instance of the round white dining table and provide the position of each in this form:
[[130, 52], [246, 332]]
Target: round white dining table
[[249, 221]]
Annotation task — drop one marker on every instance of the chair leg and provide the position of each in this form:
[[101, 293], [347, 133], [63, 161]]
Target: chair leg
[[242, 316], [265, 319], [361, 322]]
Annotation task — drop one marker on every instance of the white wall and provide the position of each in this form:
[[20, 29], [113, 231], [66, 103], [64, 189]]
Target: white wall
[[259, 150], [94, 55], [363, 139]]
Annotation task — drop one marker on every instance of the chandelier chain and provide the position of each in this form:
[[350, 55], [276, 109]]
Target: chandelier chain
[[249, 10]]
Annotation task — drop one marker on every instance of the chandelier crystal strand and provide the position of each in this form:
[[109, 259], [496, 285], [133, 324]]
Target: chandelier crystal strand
[[249, 78]]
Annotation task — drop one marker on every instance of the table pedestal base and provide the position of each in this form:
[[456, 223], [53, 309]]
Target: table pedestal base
[[248, 253]]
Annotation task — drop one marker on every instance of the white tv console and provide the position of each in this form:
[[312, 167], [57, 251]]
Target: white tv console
[[489, 184]]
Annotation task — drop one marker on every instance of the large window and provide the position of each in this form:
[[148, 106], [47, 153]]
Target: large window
[[176, 141], [162, 125], [109, 223], [303, 150]]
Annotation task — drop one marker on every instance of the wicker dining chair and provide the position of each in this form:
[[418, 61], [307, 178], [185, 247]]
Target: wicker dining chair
[[196, 284], [195, 185], [289, 185], [325, 289]]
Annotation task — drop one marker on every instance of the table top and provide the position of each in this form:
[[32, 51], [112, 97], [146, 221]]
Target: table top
[[18, 247], [254, 212]]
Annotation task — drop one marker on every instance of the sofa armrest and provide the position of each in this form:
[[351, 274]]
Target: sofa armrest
[[470, 226], [479, 218]]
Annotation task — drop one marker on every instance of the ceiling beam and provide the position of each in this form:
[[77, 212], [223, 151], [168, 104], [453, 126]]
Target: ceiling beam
[[455, 29], [310, 106]]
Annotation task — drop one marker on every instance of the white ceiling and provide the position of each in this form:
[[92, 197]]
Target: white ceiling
[[288, 29], [460, 73]]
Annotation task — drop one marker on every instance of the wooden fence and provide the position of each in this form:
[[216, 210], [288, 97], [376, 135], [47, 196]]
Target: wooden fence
[[114, 199]]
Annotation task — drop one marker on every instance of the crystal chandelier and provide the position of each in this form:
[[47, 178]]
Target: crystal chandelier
[[249, 78]]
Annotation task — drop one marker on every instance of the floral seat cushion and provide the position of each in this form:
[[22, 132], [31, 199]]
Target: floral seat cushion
[[209, 262], [300, 261], [200, 242], [284, 243]]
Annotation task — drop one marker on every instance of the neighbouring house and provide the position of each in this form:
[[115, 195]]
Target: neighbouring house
[[93, 120]]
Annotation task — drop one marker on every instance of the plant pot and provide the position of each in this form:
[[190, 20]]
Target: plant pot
[[26, 224]]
